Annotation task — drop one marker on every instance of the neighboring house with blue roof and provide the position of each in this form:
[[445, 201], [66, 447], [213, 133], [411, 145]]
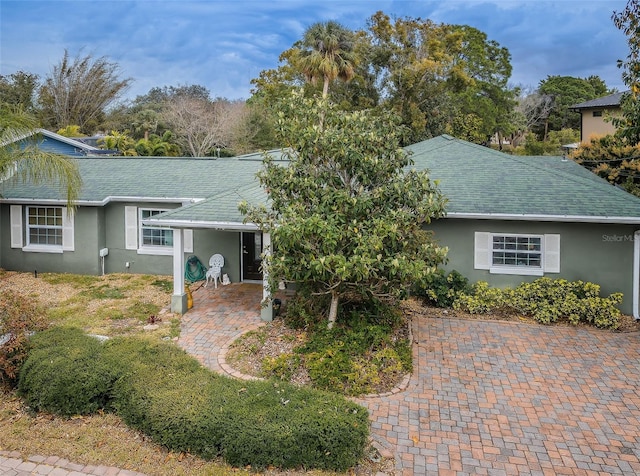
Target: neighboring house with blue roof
[[509, 219], [52, 142]]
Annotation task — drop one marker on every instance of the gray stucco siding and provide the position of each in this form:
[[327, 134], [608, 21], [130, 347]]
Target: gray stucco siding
[[227, 243], [83, 259], [599, 253], [98, 227], [205, 243], [115, 242]]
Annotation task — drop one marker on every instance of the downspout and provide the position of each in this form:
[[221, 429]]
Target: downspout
[[636, 274]]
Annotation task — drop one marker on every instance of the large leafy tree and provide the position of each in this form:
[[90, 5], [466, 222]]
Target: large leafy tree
[[79, 90], [442, 78], [438, 78], [486, 99], [19, 90], [414, 66], [564, 92], [20, 157], [614, 159], [345, 215], [628, 21]]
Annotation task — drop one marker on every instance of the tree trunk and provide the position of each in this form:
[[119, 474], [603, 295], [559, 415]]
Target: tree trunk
[[333, 310], [546, 130]]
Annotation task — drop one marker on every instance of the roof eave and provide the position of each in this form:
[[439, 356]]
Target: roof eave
[[216, 225], [550, 218], [105, 201]]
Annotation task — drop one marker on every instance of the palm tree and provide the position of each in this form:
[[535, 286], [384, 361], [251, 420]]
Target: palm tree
[[327, 52], [24, 160]]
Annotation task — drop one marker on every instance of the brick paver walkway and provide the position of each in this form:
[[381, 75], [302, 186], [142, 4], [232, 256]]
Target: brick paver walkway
[[485, 398], [12, 464], [217, 318]]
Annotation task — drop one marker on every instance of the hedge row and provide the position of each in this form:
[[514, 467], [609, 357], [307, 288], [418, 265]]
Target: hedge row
[[157, 388], [546, 300]]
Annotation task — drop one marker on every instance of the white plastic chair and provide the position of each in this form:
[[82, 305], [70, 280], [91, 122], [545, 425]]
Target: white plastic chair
[[216, 263]]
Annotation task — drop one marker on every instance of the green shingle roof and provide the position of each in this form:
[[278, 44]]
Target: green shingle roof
[[216, 210], [149, 177], [479, 180]]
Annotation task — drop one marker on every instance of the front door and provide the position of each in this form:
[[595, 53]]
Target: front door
[[251, 256]]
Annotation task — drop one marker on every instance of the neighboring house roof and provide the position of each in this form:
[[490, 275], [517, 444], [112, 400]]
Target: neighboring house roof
[[480, 182], [52, 142], [612, 100]]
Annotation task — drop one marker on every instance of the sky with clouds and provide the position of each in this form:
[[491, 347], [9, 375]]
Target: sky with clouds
[[222, 45]]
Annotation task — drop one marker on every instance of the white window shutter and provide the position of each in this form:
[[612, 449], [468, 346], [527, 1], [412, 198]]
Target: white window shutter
[[188, 241], [131, 228], [68, 237], [16, 226], [482, 250], [552, 253]]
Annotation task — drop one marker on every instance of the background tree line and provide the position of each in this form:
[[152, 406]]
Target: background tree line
[[438, 78]]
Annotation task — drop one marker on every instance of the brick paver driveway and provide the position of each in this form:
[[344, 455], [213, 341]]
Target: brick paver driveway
[[508, 398], [486, 397]]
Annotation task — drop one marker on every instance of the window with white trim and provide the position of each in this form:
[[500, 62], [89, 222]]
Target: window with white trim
[[509, 253], [151, 235], [44, 226], [44, 229], [150, 239], [514, 250]]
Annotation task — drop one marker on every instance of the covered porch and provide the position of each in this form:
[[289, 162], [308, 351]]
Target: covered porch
[[215, 225], [179, 298]]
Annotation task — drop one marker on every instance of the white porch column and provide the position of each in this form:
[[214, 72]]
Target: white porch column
[[636, 274], [179, 297], [267, 304]]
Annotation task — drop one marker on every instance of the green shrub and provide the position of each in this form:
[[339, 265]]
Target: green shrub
[[547, 300], [366, 311], [170, 397], [19, 318], [282, 366], [277, 424], [350, 360], [65, 373], [303, 311], [167, 395], [483, 299], [441, 289], [158, 389]]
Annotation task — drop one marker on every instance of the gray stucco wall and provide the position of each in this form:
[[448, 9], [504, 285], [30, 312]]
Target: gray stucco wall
[[104, 227], [226, 243], [83, 260], [599, 253], [114, 240]]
